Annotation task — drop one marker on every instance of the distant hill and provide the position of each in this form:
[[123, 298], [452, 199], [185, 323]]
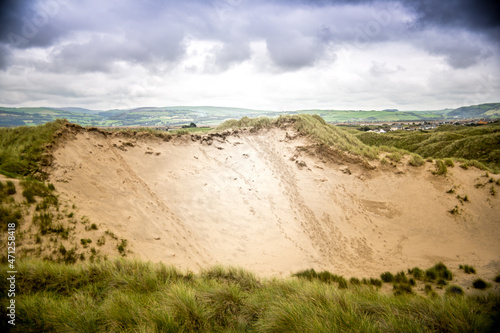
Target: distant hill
[[215, 115], [488, 110], [78, 110]]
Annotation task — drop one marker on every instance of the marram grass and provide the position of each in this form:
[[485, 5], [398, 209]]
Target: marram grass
[[134, 296]]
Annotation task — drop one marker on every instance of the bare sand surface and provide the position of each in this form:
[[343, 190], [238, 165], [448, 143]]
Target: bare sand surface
[[272, 203]]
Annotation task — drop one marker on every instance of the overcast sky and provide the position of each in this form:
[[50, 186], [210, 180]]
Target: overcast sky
[[272, 55]]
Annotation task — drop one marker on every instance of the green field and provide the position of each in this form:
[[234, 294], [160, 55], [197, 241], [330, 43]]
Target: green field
[[212, 116]]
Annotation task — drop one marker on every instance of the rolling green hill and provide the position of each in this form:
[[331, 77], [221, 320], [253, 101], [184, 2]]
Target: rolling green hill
[[483, 111], [481, 143], [213, 115]]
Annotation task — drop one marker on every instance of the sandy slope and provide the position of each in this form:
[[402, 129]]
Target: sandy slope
[[263, 202]]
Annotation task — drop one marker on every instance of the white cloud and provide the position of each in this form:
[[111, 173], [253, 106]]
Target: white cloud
[[271, 55]]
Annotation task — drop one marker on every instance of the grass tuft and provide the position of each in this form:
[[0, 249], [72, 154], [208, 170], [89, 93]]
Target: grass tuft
[[467, 269], [441, 168], [454, 290], [480, 284]]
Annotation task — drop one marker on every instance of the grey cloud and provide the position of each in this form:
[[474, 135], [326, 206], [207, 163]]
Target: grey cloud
[[231, 53], [473, 14], [461, 49], [294, 51], [296, 32]]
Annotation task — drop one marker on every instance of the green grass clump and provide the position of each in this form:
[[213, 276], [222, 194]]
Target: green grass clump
[[417, 273], [387, 277], [402, 289], [324, 276], [8, 189], [122, 247], [400, 278], [231, 275], [454, 291], [467, 269], [480, 284], [416, 161], [85, 241], [32, 188], [355, 281], [134, 296], [395, 157], [9, 215], [437, 272], [441, 168], [22, 148], [449, 162]]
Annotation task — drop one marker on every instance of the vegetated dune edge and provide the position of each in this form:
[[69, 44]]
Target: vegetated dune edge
[[274, 202]]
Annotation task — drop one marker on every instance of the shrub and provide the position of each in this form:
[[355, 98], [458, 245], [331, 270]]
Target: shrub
[[438, 271], [468, 269], [493, 191], [450, 191], [417, 273], [400, 278], [480, 284], [454, 290], [387, 277], [497, 278]]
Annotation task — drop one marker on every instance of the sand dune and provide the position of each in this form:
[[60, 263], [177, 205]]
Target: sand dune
[[271, 202]]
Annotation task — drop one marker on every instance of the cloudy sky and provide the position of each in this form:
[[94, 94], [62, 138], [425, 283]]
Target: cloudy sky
[[273, 55]]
